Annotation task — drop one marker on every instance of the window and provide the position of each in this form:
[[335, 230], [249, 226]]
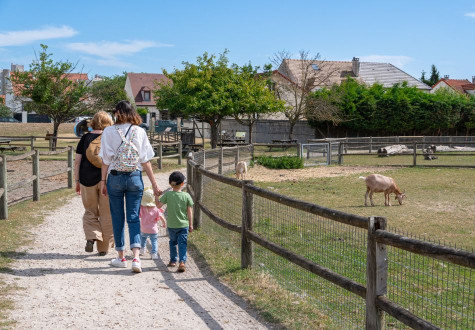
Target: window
[[315, 67], [146, 96]]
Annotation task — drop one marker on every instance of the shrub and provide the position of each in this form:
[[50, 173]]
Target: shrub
[[284, 162]]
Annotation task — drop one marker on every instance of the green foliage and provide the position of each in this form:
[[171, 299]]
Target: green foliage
[[106, 93], [5, 111], [284, 162], [142, 111], [51, 92], [398, 110]]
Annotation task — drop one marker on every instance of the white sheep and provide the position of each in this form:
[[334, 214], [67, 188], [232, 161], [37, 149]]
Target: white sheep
[[241, 170]]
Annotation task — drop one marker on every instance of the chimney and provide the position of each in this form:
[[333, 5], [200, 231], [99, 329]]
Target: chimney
[[473, 79], [355, 65], [446, 76]]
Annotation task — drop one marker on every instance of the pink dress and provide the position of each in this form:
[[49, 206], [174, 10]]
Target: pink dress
[[149, 216]]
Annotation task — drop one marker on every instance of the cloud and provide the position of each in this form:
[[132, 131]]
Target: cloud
[[18, 38], [470, 15], [398, 61], [111, 50]]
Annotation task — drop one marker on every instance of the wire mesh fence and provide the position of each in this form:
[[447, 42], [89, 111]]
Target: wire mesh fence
[[434, 290]]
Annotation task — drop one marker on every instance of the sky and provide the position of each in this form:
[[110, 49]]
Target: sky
[[109, 37]]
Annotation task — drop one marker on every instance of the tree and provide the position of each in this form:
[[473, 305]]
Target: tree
[[434, 76], [203, 89], [293, 83], [323, 109], [51, 91], [253, 97], [106, 93], [5, 111]]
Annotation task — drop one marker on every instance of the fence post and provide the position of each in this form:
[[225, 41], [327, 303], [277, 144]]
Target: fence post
[[160, 155], [32, 143], [414, 155], [3, 185], [370, 144], [189, 178], [180, 153], [197, 189], [299, 150], [423, 142], [50, 144], [247, 255], [376, 274], [220, 161], [236, 157], [340, 153], [36, 171], [70, 167]]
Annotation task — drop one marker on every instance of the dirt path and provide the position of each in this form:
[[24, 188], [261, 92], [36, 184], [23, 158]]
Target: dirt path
[[65, 287]]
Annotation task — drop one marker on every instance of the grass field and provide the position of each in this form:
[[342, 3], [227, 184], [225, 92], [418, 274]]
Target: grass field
[[440, 206]]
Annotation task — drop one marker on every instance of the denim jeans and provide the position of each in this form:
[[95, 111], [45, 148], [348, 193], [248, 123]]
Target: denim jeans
[[178, 236], [130, 186], [153, 241]]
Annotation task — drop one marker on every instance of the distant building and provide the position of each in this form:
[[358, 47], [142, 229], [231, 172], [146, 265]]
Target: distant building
[[13, 99], [462, 86], [139, 88]]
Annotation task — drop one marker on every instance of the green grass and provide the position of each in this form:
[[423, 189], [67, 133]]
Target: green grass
[[16, 233], [407, 160]]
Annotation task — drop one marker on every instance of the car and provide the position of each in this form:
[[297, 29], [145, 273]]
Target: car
[[9, 120], [144, 126], [78, 119]]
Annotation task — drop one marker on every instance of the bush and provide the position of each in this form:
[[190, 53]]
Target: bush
[[284, 162]]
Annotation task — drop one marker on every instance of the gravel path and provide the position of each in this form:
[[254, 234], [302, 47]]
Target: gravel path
[[65, 287]]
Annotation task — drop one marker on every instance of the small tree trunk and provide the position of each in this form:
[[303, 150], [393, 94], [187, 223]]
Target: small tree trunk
[[55, 133], [250, 131], [214, 134], [291, 129]]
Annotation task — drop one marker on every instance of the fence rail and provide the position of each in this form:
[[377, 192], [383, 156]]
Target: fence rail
[[34, 178], [256, 216]]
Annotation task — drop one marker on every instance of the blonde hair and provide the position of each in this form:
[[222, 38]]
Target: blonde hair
[[101, 120]]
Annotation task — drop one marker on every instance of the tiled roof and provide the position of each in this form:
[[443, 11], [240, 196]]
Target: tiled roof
[[77, 76], [460, 85], [334, 72], [144, 81]]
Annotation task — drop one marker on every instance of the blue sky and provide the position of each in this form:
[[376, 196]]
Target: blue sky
[[108, 37]]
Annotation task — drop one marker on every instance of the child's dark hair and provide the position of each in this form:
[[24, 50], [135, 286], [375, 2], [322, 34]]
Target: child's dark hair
[[176, 179]]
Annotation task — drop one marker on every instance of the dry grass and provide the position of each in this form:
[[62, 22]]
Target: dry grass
[[35, 129]]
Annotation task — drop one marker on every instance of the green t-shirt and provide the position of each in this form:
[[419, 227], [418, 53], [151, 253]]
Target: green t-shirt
[[177, 205]]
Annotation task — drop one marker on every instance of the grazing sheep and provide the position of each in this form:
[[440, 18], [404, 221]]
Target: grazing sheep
[[380, 183], [241, 170]]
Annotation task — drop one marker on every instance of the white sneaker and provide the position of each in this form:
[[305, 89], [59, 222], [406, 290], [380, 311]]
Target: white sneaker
[[120, 263], [154, 256], [136, 267]]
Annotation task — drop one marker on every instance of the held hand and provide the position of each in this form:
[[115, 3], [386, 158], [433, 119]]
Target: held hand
[[190, 229], [157, 192], [103, 188], [78, 188]]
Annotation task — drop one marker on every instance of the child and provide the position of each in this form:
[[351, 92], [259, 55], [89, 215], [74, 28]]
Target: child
[[179, 220], [149, 216]]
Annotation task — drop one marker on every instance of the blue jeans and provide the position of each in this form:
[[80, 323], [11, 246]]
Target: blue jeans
[[130, 186], [153, 241], [178, 236]]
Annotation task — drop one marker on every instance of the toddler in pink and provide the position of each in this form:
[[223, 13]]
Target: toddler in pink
[[150, 214]]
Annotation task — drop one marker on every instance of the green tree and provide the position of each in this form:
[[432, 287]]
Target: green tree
[[253, 97], [106, 93], [5, 111], [51, 92], [434, 76], [203, 89]]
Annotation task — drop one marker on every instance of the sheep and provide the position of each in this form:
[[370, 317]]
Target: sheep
[[241, 170], [380, 183]]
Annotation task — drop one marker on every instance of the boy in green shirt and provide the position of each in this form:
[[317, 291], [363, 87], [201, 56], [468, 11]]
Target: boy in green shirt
[[179, 219]]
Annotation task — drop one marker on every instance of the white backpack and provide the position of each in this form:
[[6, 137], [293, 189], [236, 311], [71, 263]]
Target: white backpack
[[127, 155]]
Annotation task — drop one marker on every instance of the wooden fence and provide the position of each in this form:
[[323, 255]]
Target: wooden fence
[[34, 178], [166, 146], [378, 238]]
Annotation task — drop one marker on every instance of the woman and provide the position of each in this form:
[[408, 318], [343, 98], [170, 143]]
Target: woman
[[96, 220], [125, 152]]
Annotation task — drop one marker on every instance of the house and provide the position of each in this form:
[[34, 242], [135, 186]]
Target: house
[[139, 88], [462, 86], [327, 73], [12, 94]]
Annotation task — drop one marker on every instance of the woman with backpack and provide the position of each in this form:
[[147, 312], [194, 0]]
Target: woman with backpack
[[125, 152], [96, 220]]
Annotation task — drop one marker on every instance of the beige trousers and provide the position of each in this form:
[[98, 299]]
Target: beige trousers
[[97, 221]]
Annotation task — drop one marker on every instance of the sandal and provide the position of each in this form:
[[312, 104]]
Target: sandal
[[89, 245], [171, 264], [102, 253], [181, 267]]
